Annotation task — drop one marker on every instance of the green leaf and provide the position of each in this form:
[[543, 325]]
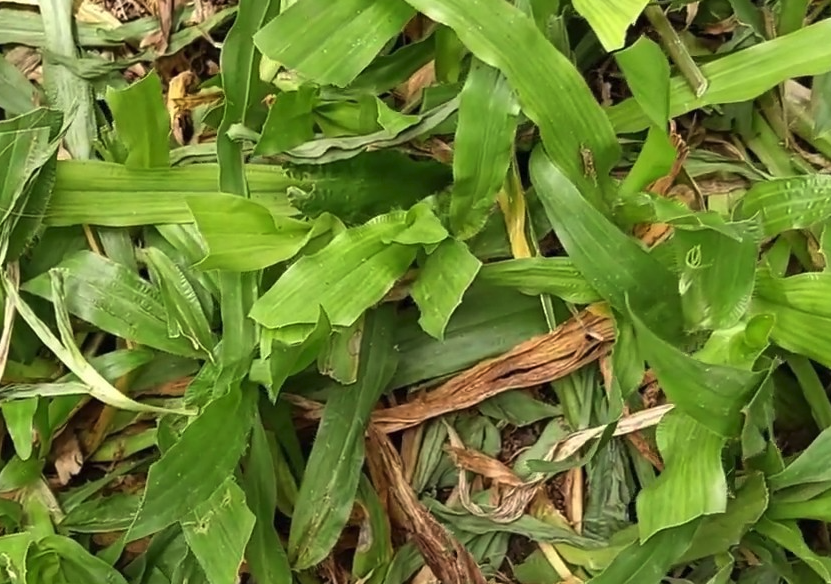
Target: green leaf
[[334, 465], [614, 263], [288, 359], [551, 91], [376, 550], [717, 533], [713, 395], [647, 74], [557, 276], [518, 408], [788, 535], [346, 277], [611, 21], [717, 272], [17, 95], [185, 477], [217, 531], [789, 203], [370, 184], [66, 350], [100, 193], [113, 298], [809, 467], [441, 284], [740, 76], [483, 147], [654, 161], [265, 554], [243, 235], [184, 311], [19, 417], [692, 484], [801, 314], [648, 562], [76, 563], [289, 122], [71, 94], [318, 38], [141, 121], [15, 549]]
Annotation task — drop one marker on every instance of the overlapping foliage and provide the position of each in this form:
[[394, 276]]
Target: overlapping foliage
[[529, 290]]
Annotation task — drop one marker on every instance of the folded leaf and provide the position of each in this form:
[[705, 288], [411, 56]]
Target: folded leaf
[[647, 74], [483, 147], [610, 21], [693, 483], [789, 203], [713, 395], [799, 306], [115, 299], [318, 38], [333, 470], [442, 282], [141, 122]]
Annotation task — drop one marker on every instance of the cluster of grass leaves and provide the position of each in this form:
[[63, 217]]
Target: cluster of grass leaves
[[207, 346]]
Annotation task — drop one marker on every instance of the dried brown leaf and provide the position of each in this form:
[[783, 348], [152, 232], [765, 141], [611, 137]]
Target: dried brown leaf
[[539, 360], [446, 557]]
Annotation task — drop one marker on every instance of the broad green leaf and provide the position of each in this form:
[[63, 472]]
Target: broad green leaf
[[341, 354], [788, 535], [289, 122], [71, 94], [789, 203], [217, 532], [483, 147], [740, 345], [800, 310], [265, 554], [392, 121], [693, 483], [613, 263], [370, 184], [326, 150], [332, 43], [647, 73], [76, 563], [334, 466], [809, 467], [102, 514], [142, 122], [288, 359], [66, 350], [648, 562], [113, 298], [717, 533], [20, 417], [713, 395], [717, 272], [375, 551], [740, 76], [100, 193], [551, 92], [557, 276], [17, 94], [15, 549], [441, 284], [610, 22], [654, 161], [346, 277], [243, 90], [185, 477], [184, 311], [243, 235]]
